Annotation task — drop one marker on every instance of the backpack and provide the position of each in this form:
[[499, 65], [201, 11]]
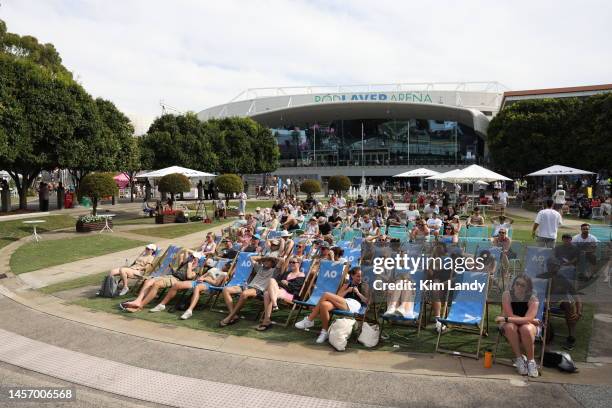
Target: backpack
[[109, 287]]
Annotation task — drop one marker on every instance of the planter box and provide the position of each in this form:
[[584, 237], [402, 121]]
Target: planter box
[[92, 226], [165, 219]]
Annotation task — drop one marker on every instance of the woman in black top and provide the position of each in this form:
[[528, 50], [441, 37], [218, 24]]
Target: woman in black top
[[518, 323], [350, 297]]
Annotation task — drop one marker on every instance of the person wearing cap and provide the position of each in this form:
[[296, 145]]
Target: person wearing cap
[[226, 250], [240, 222], [559, 197], [501, 221], [253, 245], [434, 223], [185, 270], [455, 221], [264, 268], [324, 251], [288, 243], [312, 228], [274, 247], [209, 275], [259, 216], [567, 253], [137, 269]]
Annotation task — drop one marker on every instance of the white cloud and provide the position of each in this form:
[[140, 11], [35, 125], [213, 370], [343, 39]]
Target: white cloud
[[195, 54]]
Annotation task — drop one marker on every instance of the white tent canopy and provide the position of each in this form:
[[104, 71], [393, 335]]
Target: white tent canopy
[[558, 170], [189, 173], [470, 174], [422, 172]]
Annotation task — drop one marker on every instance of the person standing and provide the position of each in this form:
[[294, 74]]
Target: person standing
[[559, 197], [242, 199], [503, 200], [44, 196], [546, 225], [200, 188]]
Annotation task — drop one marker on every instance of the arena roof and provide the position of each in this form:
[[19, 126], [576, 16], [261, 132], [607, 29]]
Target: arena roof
[[568, 92]]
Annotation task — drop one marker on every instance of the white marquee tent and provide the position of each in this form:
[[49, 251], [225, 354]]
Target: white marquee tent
[[422, 172], [470, 174], [189, 173], [558, 170]]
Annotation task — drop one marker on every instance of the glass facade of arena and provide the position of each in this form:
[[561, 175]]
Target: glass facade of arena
[[385, 142]]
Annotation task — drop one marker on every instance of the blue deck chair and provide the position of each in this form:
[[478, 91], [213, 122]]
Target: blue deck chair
[[273, 234], [474, 245], [541, 288], [336, 234], [536, 259], [357, 242], [328, 279], [306, 266], [240, 275], [467, 310], [345, 245], [351, 234], [397, 233], [167, 258], [417, 278], [474, 231], [602, 233], [353, 257]]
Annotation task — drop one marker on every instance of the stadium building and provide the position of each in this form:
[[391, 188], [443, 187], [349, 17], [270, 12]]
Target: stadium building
[[379, 130]]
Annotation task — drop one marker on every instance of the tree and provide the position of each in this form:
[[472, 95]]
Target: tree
[[96, 186], [532, 134], [339, 183], [174, 183], [310, 186], [229, 184], [130, 162]]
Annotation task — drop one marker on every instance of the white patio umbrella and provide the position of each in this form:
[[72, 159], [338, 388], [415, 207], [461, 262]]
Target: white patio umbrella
[[189, 173], [444, 176], [422, 172], [471, 174], [558, 170]]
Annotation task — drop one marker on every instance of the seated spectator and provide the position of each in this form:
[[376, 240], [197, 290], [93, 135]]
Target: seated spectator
[[209, 246], [335, 220], [220, 209], [264, 269], [259, 216], [209, 276], [288, 221], [401, 302], [411, 214], [519, 325], [312, 228], [434, 223], [274, 248], [475, 219], [341, 202], [371, 202], [240, 222], [252, 246], [325, 228], [499, 222], [169, 206], [503, 241], [286, 287], [394, 218], [430, 209], [185, 271], [323, 251], [439, 273], [587, 244], [150, 211], [287, 244], [320, 212], [566, 253], [351, 296], [226, 249], [449, 236], [137, 269], [420, 232]]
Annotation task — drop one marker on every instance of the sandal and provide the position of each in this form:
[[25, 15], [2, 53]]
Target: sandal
[[222, 323], [264, 327], [133, 309]]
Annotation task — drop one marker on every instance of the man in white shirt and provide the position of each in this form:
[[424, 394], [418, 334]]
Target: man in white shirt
[[430, 209], [434, 224], [546, 224], [587, 244], [341, 202], [503, 200], [559, 197]]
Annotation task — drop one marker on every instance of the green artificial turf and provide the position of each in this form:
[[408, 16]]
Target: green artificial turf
[[38, 255]]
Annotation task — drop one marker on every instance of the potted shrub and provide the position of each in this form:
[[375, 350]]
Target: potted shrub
[[95, 186], [229, 184], [172, 184], [310, 187], [339, 183]]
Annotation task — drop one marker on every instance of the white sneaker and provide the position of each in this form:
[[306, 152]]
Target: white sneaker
[[532, 369], [323, 336], [304, 324], [124, 291], [440, 327], [390, 311], [607, 278], [158, 308], [406, 314], [521, 365], [188, 313]]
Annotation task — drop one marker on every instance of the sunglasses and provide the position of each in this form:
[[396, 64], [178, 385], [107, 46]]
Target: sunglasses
[[293, 262]]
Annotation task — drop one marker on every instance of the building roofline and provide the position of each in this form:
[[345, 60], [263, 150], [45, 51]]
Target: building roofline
[[571, 89]]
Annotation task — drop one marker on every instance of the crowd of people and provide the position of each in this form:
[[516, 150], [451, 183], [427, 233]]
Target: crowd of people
[[281, 238]]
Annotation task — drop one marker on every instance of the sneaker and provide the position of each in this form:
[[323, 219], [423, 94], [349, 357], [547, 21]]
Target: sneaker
[[404, 313], [158, 308], [521, 365], [532, 369], [124, 291], [390, 311], [188, 313], [304, 324], [440, 327], [323, 336], [570, 342], [607, 278]]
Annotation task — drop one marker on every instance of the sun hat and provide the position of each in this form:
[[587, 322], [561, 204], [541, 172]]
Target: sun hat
[[152, 247], [285, 233], [197, 254], [210, 262]]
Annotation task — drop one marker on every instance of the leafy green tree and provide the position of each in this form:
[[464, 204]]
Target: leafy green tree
[[310, 186], [96, 186], [339, 183], [229, 184], [130, 161], [174, 183]]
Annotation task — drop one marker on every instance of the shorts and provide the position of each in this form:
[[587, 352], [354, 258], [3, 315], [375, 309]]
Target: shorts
[[167, 281], [259, 294], [545, 242], [195, 284], [353, 305], [284, 295]]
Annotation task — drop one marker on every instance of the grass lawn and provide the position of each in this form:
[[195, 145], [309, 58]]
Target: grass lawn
[[175, 231], [134, 221], [250, 207], [88, 280], [11, 231], [33, 256], [402, 336]]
